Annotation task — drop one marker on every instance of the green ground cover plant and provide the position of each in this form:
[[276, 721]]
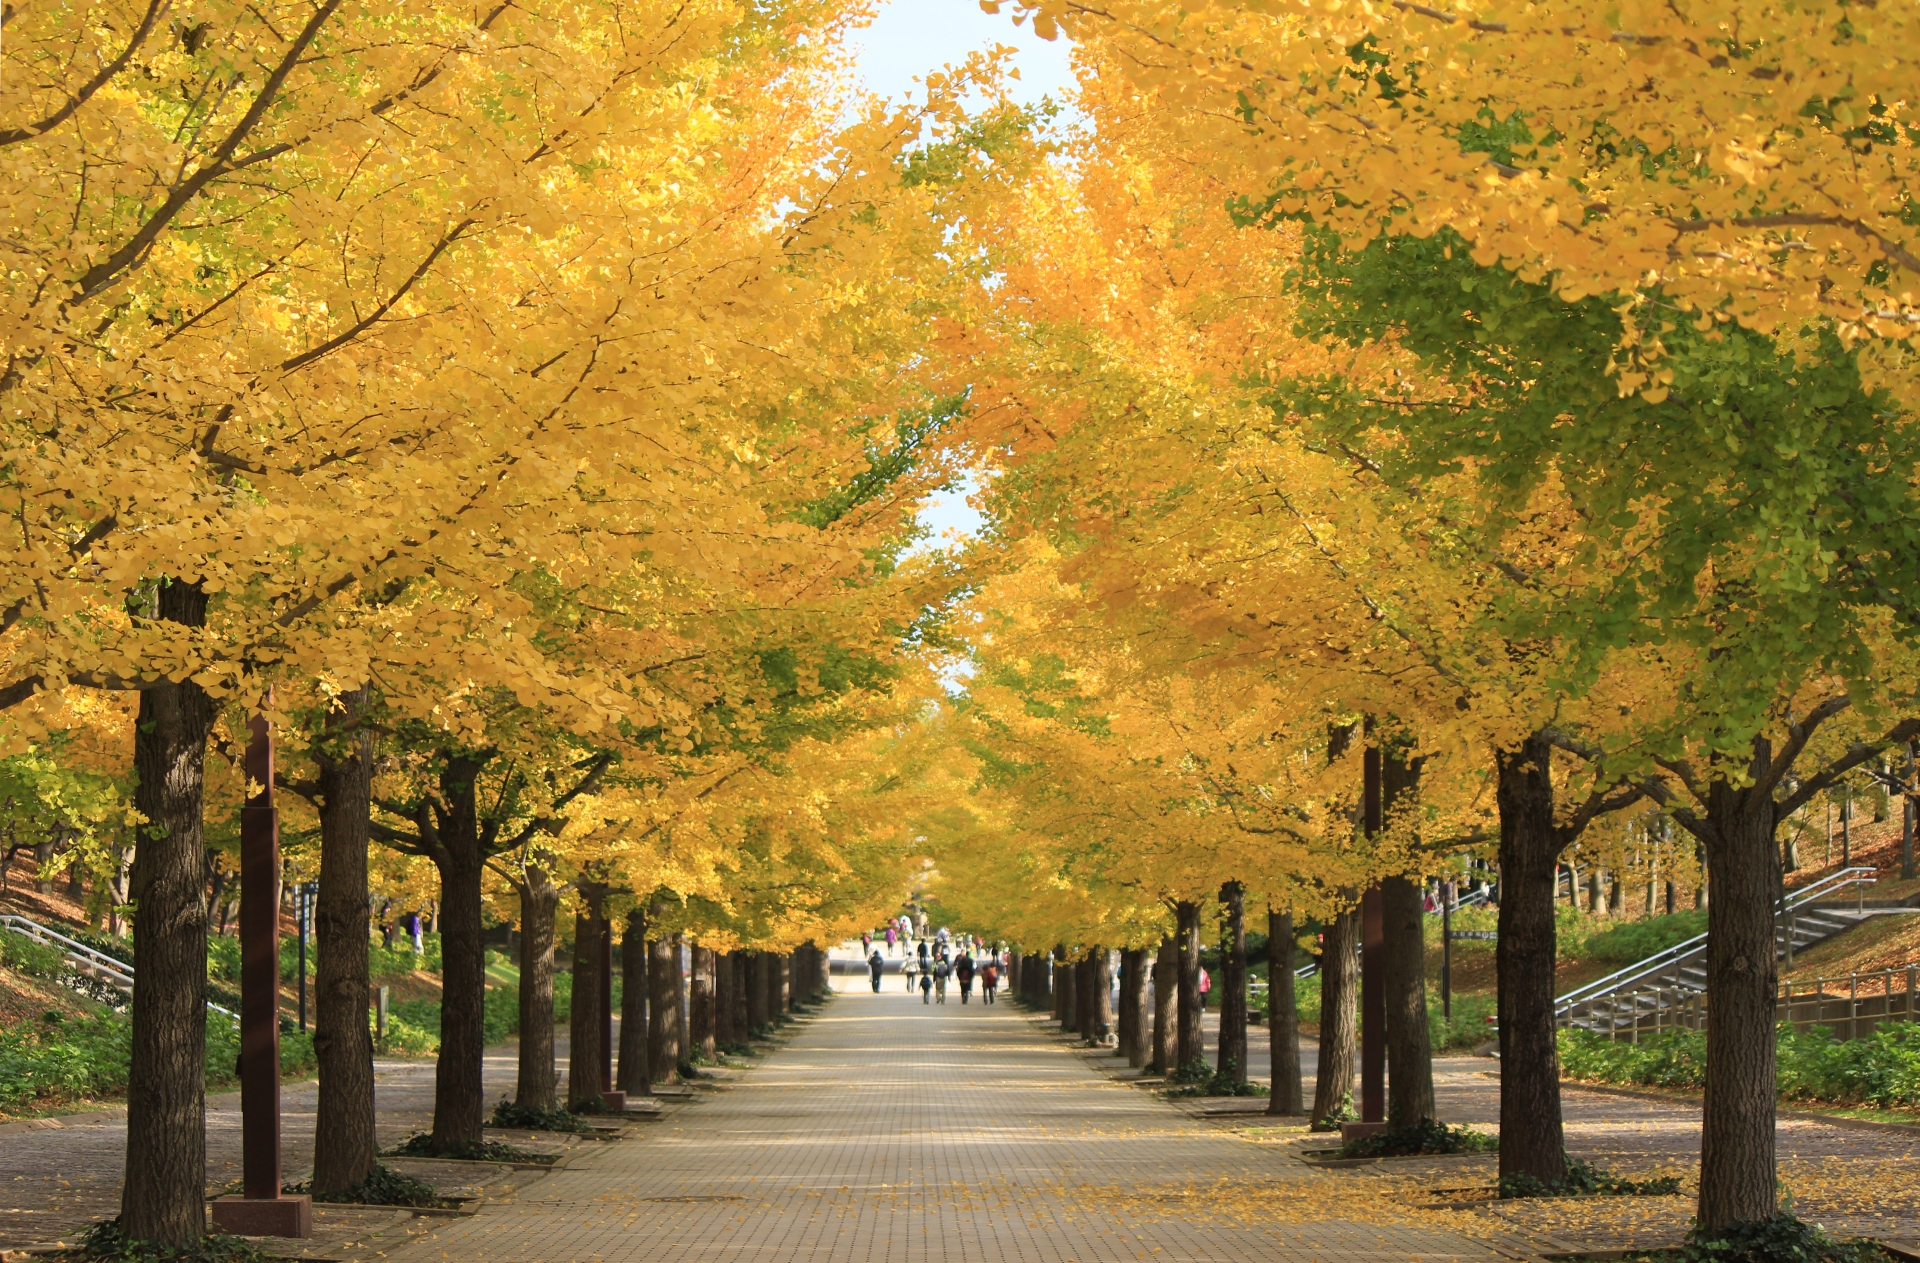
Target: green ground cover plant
[[1424, 1137], [1881, 1070]]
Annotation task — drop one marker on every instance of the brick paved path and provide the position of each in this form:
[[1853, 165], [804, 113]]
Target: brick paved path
[[888, 1131]]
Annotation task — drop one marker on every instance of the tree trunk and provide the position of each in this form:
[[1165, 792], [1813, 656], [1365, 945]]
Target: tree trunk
[[1066, 986], [163, 1197], [1189, 1047], [1136, 1039], [1532, 1141], [724, 1035], [343, 1141], [1166, 1008], [1233, 983], [1737, 1116], [754, 987], [634, 986], [683, 1029], [1409, 1045], [539, 900], [1283, 1015], [663, 1029], [700, 1004], [823, 974], [1339, 1024], [587, 1023], [780, 1001], [459, 1096]]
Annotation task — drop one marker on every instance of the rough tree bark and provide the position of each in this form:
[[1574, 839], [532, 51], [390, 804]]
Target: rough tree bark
[[1409, 1046], [586, 1025], [724, 985], [753, 984], [1137, 1041], [1166, 1008], [1188, 1048], [1532, 1141], [634, 986], [1233, 982], [1066, 993], [539, 901], [780, 984], [1737, 1181], [663, 997], [459, 1098], [163, 1197], [1339, 1019], [700, 1004], [344, 1147], [1283, 1015]]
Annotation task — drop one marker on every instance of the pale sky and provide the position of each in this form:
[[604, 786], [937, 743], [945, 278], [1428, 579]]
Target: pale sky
[[908, 38]]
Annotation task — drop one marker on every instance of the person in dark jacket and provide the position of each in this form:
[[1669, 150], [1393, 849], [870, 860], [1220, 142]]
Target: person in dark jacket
[[875, 965], [963, 970]]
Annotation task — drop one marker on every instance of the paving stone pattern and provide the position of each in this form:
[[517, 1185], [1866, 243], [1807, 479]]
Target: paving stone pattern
[[888, 1131]]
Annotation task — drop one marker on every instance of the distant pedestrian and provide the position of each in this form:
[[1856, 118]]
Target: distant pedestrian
[[909, 971], [925, 954], [890, 938], [940, 971], [412, 926], [876, 966], [1206, 985], [386, 935], [866, 943], [989, 979], [963, 970], [926, 987]]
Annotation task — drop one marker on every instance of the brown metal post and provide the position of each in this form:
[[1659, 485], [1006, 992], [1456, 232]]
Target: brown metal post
[[1373, 961], [261, 1210], [260, 971]]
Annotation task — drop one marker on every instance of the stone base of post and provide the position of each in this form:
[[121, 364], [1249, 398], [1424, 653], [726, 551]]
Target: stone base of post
[[1354, 1131], [613, 1102], [290, 1215]]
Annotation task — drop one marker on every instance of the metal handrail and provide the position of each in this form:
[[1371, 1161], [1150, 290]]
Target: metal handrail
[[77, 953], [80, 955], [1857, 875]]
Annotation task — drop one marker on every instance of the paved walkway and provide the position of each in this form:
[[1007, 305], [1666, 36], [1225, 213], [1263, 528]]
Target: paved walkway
[[888, 1131]]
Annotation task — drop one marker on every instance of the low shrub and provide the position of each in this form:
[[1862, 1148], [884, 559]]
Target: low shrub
[[1467, 1028], [1196, 1078], [1781, 1239], [1424, 1137], [420, 1145], [538, 1118], [223, 959], [106, 1243], [502, 1015], [1881, 1070], [1583, 1179], [1628, 941], [383, 1186]]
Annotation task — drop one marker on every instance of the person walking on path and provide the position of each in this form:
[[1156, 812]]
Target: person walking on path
[[875, 965], [1206, 985], [866, 942], [940, 971], [925, 956], [889, 938], [909, 971], [412, 926], [926, 987], [989, 979], [963, 970]]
